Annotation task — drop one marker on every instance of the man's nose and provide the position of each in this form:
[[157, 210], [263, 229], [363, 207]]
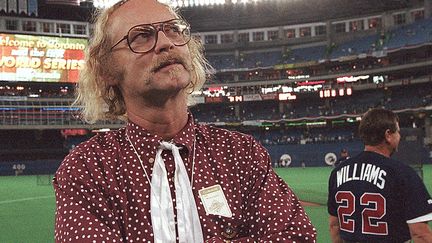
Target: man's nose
[[163, 42]]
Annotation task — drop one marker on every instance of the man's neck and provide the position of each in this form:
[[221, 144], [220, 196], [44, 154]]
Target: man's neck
[[379, 149], [166, 120]]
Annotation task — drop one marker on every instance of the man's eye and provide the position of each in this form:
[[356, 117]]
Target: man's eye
[[141, 35], [173, 29], [147, 34]]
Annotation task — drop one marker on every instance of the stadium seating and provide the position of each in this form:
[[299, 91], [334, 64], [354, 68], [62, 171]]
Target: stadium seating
[[417, 33], [259, 59], [364, 45], [397, 98], [222, 62], [308, 54]]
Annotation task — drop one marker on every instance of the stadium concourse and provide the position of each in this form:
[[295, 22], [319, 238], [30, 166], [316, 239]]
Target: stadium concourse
[[295, 75]]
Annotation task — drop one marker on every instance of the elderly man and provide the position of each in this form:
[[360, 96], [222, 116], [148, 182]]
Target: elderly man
[[373, 198], [163, 178]]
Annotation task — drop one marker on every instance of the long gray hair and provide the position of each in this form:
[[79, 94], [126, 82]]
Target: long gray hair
[[100, 101]]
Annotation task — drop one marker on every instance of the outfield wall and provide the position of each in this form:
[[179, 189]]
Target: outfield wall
[[36, 167], [411, 153], [313, 155]]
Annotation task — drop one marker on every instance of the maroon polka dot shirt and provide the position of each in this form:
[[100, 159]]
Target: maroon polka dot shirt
[[103, 195]]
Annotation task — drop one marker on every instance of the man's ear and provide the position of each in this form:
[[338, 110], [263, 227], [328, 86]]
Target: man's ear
[[387, 136], [110, 76], [110, 80]]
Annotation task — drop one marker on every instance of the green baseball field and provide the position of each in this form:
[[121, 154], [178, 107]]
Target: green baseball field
[[27, 203]]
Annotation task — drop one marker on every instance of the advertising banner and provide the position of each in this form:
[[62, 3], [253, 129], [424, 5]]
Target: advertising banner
[[40, 58], [271, 96], [218, 99], [252, 97]]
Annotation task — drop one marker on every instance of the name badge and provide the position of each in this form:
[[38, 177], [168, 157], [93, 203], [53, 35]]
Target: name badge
[[214, 201]]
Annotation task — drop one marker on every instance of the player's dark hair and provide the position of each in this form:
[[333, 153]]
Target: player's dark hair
[[375, 123]]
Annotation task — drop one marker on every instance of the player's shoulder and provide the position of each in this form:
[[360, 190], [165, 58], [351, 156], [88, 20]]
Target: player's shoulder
[[390, 165], [366, 157], [344, 162], [403, 170], [395, 165]]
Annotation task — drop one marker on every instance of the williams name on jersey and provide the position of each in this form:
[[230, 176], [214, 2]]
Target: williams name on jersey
[[362, 172]]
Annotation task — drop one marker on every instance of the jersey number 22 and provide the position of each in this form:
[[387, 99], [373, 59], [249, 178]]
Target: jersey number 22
[[376, 209]]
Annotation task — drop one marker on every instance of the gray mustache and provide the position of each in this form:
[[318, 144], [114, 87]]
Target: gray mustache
[[164, 61]]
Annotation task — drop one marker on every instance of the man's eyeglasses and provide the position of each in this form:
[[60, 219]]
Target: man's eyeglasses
[[143, 38]]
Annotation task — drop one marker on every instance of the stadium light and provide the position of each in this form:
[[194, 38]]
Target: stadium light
[[180, 3]]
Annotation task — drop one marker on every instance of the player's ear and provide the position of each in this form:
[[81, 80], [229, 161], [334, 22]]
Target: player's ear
[[387, 136]]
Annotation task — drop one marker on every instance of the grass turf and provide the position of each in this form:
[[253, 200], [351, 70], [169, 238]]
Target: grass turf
[[310, 185], [27, 209]]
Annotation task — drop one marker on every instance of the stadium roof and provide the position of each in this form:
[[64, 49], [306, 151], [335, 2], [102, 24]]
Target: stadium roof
[[281, 12], [254, 14]]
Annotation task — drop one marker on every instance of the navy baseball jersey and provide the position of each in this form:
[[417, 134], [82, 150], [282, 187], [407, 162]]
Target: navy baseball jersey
[[374, 196]]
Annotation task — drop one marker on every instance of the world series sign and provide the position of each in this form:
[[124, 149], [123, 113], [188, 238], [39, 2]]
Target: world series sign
[[40, 58]]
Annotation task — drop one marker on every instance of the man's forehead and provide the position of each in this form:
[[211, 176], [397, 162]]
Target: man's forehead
[[133, 12]]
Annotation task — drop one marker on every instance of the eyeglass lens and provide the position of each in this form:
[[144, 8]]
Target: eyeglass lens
[[142, 38]]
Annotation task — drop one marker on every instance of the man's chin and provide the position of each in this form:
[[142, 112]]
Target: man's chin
[[170, 85], [176, 80]]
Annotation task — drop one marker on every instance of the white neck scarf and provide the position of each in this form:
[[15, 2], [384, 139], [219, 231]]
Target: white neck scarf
[[162, 212]]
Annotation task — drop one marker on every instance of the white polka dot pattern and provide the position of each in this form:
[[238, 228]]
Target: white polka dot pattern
[[103, 195]]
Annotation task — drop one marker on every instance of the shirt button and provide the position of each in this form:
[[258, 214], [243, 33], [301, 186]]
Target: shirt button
[[151, 160]]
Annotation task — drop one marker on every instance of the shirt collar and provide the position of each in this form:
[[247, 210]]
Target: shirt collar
[[142, 138]]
